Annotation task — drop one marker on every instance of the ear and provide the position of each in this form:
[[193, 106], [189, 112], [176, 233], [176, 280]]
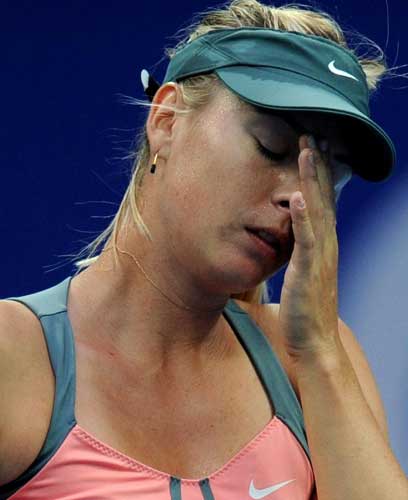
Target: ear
[[161, 121]]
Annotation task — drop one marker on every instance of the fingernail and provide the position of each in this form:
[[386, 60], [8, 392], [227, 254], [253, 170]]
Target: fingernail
[[311, 141]]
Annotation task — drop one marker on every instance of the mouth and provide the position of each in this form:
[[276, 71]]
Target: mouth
[[266, 243]]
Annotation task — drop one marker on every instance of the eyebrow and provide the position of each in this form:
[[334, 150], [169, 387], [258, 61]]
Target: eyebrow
[[285, 116], [295, 125], [291, 121]]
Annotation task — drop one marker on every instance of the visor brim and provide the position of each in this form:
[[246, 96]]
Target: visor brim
[[372, 150]]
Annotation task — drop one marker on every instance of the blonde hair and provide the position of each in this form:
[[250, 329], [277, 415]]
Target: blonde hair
[[197, 91]]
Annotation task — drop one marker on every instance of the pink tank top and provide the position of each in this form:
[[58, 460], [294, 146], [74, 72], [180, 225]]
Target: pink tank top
[[74, 465]]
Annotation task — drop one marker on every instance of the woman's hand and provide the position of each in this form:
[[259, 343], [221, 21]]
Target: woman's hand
[[308, 312]]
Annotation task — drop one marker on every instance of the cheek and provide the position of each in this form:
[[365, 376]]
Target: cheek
[[215, 178], [212, 167], [280, 177]]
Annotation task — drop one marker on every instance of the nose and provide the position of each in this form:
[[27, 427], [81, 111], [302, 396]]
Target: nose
[[289, 183], [281, 201]]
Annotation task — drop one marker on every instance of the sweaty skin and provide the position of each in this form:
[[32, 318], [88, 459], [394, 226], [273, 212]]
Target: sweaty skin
[[211, 182]]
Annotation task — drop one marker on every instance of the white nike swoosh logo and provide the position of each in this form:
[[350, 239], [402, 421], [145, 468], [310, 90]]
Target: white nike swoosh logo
[[340, 72], [254, 493]]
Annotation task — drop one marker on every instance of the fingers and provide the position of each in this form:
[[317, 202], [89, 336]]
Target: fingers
[[317, 183], [326, 177], [303, 233], [312, 224]]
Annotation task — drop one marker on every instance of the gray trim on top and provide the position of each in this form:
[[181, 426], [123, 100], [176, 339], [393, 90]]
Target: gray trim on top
[[50, 306]]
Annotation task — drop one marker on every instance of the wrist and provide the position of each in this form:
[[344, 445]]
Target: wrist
[[324, 360]]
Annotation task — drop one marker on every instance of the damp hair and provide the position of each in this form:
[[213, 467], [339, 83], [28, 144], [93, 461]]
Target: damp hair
[[198, 90]]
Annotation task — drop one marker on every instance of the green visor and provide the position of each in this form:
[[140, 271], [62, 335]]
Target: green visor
[[291, 71]]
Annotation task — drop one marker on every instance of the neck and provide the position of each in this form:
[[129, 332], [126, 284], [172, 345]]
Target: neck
[[118, 310]]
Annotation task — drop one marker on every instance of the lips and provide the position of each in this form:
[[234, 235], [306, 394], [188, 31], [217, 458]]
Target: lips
[[272, 240]]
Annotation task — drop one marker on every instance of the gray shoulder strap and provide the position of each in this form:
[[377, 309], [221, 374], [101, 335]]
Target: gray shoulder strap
[[50, 306], [270, 371]]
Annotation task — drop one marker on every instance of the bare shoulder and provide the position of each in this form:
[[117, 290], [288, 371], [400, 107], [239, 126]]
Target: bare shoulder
[[20, 332], [17, 324], [26, 389], [266, 316]]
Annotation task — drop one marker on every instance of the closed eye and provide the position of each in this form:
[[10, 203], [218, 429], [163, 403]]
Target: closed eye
[[269, 154]]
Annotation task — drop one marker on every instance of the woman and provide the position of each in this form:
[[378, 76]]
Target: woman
[[155, 372]]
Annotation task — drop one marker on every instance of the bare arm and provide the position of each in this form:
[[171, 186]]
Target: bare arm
[[346, 427], [26, 389], [346, 432]]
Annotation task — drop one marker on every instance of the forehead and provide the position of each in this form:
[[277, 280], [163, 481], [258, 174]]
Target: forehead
[[321, 125]]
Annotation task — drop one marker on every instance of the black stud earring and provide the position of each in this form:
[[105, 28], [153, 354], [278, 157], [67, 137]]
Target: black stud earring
[[153, 169]]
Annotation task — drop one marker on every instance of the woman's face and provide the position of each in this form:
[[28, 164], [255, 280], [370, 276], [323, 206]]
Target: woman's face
[[217, 181]]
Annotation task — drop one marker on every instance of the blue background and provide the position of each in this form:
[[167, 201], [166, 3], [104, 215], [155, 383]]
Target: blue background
[[63, 132]]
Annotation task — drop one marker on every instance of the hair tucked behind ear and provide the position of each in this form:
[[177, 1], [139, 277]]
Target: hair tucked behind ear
[[197, 91]]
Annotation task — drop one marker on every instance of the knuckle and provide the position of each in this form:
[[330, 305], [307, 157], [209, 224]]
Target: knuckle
[[312, 175], [309, 242]]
